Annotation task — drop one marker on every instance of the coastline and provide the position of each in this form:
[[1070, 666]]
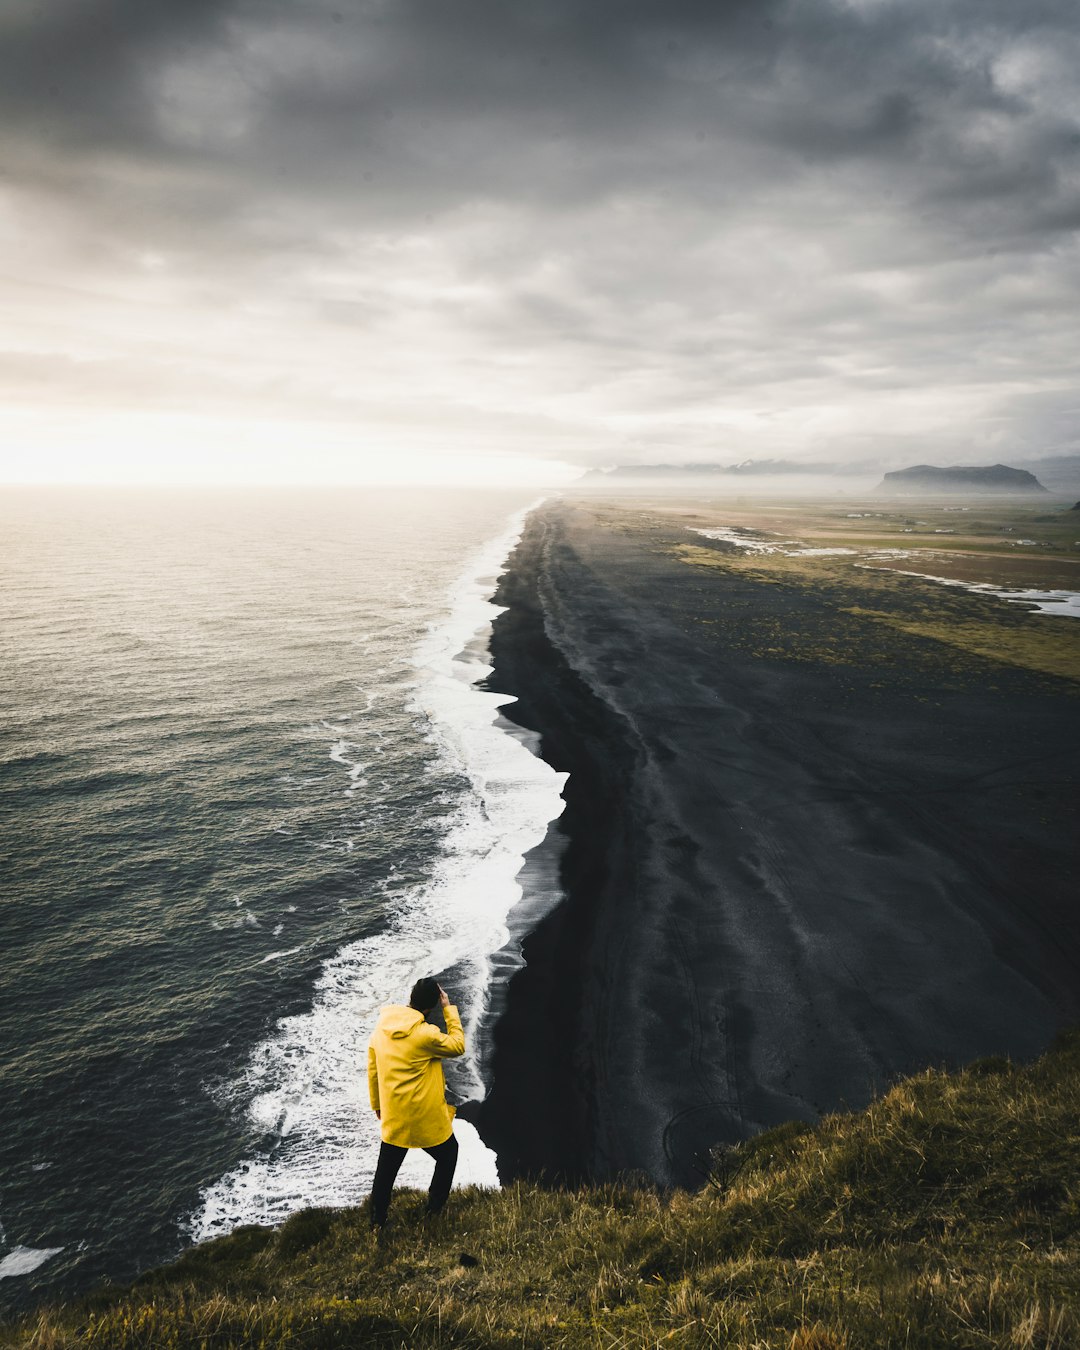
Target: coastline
[[317, 1138], [542, 1111], [784, 885]]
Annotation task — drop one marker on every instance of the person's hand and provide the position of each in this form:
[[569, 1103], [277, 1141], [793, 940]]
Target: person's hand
[[378, 1115], [444, 1001]]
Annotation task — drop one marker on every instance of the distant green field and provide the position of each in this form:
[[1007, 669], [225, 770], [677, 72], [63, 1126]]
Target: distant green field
[[872, 585], [994, 529]]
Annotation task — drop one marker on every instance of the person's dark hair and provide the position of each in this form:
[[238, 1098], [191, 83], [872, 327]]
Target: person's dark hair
[[425, 994]]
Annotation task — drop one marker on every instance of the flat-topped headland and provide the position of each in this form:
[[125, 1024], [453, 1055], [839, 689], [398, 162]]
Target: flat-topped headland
[[931, 479], [820, 832]]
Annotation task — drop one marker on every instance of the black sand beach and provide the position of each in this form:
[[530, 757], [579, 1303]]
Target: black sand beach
[[804, 854]]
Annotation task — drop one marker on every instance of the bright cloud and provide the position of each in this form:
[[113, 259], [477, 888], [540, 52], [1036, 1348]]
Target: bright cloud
[[490, 241]]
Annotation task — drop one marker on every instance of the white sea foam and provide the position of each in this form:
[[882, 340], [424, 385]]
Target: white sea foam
[[307, 1083], [276, 956], [245, 919], [25, 1260]]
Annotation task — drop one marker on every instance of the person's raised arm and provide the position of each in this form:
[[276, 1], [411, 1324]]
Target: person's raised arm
[[448, 1044], [373, 1080]]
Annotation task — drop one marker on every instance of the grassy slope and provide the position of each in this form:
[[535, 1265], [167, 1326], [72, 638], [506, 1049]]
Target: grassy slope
[[947, 1213]]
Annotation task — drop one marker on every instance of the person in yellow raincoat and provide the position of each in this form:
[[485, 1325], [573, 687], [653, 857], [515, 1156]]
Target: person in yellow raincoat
[[408, 1092]]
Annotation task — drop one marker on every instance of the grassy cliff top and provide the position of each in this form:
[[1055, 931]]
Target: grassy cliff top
[[947, 1213]]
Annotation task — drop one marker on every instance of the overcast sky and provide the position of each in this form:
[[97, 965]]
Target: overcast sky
[[487, 239]]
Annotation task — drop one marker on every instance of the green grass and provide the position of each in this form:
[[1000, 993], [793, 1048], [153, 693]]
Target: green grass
[[946, 1214], [862, 600], [984, 538]]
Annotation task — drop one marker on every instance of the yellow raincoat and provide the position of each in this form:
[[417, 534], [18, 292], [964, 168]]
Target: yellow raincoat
[[405, 1075]]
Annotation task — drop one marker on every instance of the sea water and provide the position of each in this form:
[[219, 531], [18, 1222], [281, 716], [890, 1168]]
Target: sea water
[[250, 792]]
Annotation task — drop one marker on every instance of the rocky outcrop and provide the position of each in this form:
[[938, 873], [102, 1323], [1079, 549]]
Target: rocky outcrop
[[931, 479]]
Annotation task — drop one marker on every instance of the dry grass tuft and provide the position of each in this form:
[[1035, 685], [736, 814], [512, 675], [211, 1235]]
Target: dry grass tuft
[[818, 1337], [947, 1213]]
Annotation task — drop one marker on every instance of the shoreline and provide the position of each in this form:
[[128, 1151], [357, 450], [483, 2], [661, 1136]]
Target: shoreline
[[317, 1141], [778, 895], [539, 1115]]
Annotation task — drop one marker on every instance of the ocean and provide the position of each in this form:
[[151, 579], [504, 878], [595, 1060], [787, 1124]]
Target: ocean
[[249, 792]]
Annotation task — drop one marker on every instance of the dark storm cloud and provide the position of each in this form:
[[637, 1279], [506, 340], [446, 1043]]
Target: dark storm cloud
[[73, 72], [440, 101], [659, 200]]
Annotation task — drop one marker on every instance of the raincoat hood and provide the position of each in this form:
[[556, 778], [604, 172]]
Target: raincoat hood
[[398, 1022]]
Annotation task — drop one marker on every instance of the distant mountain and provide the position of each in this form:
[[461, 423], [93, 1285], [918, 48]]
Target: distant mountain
[[929, 478], [1058, 473], [747, 468], [622, 472], [752, 468]]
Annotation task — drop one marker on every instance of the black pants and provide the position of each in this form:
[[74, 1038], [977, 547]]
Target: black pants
[[390, 1159]]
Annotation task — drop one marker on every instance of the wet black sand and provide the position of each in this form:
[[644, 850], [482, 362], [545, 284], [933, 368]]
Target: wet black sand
[[788, 878]]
